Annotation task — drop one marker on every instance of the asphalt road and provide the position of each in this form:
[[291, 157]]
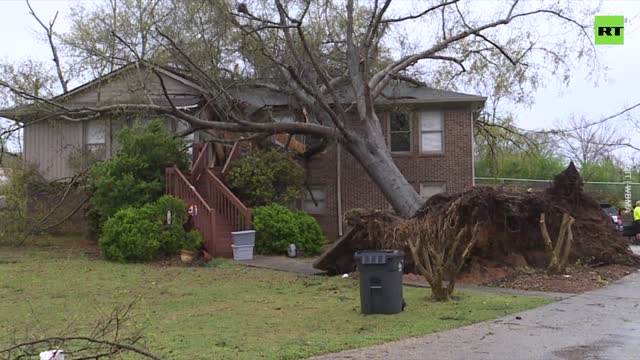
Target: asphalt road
[[600, 324]]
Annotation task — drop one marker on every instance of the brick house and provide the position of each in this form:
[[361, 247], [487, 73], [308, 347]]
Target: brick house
[[429, 132], [430, 136]]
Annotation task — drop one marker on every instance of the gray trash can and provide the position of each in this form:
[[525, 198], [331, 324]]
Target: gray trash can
[[380, 281]]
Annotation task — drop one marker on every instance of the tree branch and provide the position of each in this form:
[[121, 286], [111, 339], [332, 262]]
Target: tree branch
[[54, 51]]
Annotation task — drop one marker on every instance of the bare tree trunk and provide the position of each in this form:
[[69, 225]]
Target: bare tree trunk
[[371, 151]]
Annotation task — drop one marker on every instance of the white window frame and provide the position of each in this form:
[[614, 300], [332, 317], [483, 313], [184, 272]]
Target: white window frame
[[91, 133], [308, 204], [96, 144], [421, 115], [441, 185], [409, 118]]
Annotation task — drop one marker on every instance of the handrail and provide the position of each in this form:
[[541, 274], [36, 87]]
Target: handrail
[[227, 204], [194, 192], [204, 219], [230, 157], [201, 162]]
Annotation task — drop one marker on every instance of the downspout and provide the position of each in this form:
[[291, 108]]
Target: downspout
[[473, 150], [339, 188]]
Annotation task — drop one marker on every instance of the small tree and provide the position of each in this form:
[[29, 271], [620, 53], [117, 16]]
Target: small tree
[[135, 176], [439, 246], [559, 255], [267, 177]]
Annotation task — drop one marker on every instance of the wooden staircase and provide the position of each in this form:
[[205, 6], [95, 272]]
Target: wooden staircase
[[217, 211]]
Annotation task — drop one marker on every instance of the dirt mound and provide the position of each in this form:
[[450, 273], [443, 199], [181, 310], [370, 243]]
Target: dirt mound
[[512, 221]]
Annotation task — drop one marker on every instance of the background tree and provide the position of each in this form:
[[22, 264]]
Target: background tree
[[278, 46], [586, 143]]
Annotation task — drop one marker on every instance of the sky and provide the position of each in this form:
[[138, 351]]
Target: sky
[[593, 97]]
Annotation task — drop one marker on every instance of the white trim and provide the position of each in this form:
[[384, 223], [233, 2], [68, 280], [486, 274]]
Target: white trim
[[420, 132]]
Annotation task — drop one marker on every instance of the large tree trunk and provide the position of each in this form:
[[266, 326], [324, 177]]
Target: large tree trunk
[[370, 149]]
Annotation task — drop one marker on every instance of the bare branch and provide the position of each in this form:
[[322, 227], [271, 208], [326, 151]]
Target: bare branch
[[54, 50], [421, 14]]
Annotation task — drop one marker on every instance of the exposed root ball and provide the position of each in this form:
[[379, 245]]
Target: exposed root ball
[[510, 220]]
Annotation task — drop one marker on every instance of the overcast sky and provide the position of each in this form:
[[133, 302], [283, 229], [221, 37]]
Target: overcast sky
[[616, 89]]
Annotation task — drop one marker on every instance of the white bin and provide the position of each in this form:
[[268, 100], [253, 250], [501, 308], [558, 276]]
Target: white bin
[[246, 237], [242, 252]]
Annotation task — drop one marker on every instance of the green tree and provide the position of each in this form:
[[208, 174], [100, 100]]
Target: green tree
[[267, 177], [135, 176], [275, 44]]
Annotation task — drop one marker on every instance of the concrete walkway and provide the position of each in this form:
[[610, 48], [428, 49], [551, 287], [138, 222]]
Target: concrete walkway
[[600, 324], [282, 263]]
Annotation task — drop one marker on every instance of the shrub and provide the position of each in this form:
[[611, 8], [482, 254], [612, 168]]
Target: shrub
[[141, 234], [311, 236], [135, 176], [15, 218], [131, 235], [277, 227], [266, 177], [193, 241]]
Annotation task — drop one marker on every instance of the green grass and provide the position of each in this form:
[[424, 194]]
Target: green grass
[[224, 311]]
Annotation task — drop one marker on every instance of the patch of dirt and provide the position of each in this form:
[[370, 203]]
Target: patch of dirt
[[577, 279]]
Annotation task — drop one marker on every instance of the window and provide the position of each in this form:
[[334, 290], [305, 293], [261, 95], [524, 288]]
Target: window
[[96, 137], [399, 132], [314, 201], [431, 132], [427, 190], [284, 118]]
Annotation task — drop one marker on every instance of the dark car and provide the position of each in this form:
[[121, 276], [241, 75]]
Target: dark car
[[612, 212]]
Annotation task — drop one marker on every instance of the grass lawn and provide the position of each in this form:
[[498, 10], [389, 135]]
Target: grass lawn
[[226, 311]]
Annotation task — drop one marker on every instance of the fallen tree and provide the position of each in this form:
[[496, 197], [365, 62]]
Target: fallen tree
[[510, 224]]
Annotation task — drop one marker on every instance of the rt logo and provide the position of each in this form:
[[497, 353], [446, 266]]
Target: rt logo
[[609, 30]]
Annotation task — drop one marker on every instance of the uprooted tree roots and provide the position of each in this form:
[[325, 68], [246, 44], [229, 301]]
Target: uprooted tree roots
[[558, 257], [488, 223]]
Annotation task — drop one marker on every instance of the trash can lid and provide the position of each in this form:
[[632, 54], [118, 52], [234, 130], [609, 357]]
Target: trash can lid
[[373, 257]]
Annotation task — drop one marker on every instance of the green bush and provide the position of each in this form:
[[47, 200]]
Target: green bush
[[142, 234], [266, 177], [135, 176], [311, 236], [277, 227], [193, 241]]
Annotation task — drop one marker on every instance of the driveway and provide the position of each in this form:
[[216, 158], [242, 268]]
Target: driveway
[[600, 324]]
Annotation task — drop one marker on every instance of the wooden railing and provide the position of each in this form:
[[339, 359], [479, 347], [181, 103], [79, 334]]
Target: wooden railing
[[225, 203], [231, 157], [204, 218], [200, 164]]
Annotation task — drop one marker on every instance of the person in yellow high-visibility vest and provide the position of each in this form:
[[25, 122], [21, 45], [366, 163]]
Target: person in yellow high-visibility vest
[[636, 219]]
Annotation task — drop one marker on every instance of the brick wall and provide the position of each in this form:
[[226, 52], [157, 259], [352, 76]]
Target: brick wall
[[454, 168]]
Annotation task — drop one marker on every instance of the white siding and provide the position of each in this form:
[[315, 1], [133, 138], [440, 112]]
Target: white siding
[[50, 144]]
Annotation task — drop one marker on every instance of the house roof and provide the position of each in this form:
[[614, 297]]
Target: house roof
[[27, 112], [397, 92]]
